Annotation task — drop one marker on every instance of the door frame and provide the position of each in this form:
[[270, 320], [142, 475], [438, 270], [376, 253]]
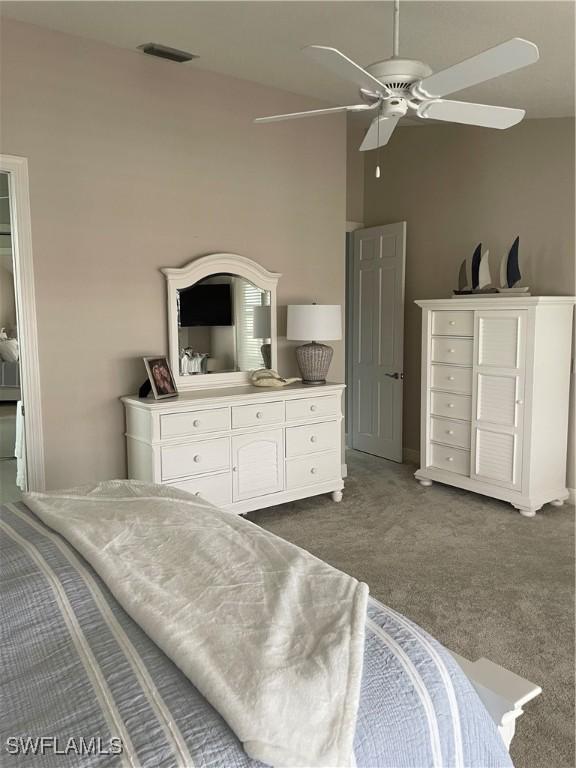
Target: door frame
[[25, 294]]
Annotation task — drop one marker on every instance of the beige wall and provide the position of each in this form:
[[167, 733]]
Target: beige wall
[[136, 164], [356, 128], [457, 186]]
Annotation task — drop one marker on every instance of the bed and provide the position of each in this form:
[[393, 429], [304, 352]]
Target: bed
[[82, 674]]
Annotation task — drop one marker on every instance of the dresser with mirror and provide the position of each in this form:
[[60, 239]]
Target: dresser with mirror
[[239, 446]]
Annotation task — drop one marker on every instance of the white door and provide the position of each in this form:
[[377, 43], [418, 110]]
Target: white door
[[498, 397], [257, 464], [377, 340]]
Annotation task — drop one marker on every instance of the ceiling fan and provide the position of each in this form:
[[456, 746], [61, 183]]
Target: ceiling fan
[[396, 87]]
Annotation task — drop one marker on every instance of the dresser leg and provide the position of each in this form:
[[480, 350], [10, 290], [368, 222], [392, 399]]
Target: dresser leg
[[557, 503], [337, 496], [425, 482], [527, 511]]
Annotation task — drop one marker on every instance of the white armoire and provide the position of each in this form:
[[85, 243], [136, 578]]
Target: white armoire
[[495, 396]]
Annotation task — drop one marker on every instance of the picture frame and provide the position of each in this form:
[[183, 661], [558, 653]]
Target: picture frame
[[160, 377]]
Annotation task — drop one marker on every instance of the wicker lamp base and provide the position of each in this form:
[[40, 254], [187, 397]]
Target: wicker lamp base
[[314, 361]]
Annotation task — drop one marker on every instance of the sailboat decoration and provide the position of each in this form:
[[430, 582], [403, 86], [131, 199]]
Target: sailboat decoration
[[480, 282], [510, 273]]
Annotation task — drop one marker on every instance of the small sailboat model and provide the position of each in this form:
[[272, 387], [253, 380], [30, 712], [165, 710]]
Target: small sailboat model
[[480, 282], [510, 273]]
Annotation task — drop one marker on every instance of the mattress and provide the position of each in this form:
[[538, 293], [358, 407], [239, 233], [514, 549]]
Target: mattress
[[87, 687]]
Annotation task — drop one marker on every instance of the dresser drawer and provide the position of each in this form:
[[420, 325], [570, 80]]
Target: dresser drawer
[[257, 415], [448, 323], [452, 405], [452, 378], [312, 407], [216, 489], [312, 438], [310, 470], [195, 458], [194, 422], [451, 459], [452, 432], [457, 351]]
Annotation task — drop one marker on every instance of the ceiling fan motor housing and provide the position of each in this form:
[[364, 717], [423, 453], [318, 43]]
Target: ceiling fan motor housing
[[399, 74]]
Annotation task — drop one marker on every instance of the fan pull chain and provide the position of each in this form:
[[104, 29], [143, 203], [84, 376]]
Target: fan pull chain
[[378, 145]]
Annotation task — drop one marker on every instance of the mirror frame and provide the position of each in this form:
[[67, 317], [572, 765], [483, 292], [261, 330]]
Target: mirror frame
[[206, 266]]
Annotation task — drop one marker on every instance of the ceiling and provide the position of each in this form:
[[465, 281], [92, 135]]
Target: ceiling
[[261, 40]]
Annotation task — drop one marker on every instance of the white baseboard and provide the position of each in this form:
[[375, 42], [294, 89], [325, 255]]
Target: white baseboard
[[344, 471], [572, 496]]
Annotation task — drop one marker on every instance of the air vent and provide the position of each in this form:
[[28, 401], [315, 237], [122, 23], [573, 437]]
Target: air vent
[[164, 52]]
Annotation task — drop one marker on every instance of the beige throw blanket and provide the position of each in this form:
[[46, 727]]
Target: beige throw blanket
[[270, 635]]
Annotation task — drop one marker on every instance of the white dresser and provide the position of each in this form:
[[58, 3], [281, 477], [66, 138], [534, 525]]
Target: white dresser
[[495, 396], [242, 448]]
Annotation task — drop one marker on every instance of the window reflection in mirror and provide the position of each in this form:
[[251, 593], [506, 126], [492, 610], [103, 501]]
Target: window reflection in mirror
[[223, 326]]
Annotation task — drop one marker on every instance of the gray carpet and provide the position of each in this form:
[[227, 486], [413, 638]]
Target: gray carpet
[[471, 570]]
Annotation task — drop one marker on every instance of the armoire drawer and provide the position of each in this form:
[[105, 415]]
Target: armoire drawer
[[217, 489], [452, 378], [194, 422], [454, 406], [195, 458], [310, 470], [257, 415], [449, 431], [311, 407], [453, 351], [447, 323], [451, 459], [311, 438]]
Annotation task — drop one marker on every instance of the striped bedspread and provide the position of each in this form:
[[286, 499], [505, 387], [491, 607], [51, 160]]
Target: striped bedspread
[[82, 685]]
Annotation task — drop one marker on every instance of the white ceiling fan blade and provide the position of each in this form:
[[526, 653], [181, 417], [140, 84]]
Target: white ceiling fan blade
[[506, 57], [316, 112], [341, 65], [379, 132], [470, 114]]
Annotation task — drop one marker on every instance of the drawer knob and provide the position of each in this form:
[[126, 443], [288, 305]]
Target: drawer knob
[[196, 423], [449, 431], [313, 407], [234, 469], [313, 438], [196, 493], [449, 458], [450, 405], [452, 322], [519, 402], [452, 351], [313, 471], [259, 415], [451, 378], [197, 458]]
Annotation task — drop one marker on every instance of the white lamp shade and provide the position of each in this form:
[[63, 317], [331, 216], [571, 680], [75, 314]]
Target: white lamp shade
[[262, 322], [314, 322]]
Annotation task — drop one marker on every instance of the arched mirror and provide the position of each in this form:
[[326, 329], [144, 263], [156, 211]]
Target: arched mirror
[[221, 320]]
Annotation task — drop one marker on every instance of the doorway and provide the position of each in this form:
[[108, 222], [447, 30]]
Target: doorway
[[21, 435], [376, 266]]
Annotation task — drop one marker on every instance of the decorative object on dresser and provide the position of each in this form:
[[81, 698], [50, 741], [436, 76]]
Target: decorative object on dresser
[[510, 273], [314, 321], [242, 448], [495, 396], [160, 377], [480, 280]]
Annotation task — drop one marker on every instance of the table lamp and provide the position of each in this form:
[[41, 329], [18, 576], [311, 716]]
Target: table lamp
[[314, 321], [262, 330]]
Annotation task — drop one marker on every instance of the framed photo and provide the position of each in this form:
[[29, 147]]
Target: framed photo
[[160, 376]]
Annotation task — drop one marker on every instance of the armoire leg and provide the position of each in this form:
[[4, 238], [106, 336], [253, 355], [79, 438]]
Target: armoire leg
[[425, 482], [557, 503], [337, 496], [527, 511]]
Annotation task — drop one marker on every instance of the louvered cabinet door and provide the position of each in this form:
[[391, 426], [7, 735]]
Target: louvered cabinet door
[[498, 397], [257, 464]]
